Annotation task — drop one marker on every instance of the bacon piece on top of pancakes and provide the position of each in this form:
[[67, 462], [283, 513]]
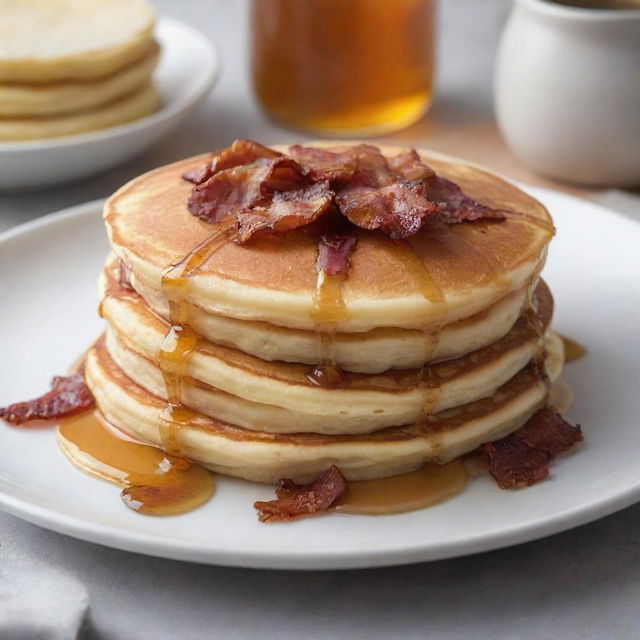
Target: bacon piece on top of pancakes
[[271, 192], [333, 253], [240, 152], [522, 458], [410, 166], [323, 164], [294, 500], [285, 211], [373, 196], [69, 395], [398, 210], [454, 205], [239, 189]]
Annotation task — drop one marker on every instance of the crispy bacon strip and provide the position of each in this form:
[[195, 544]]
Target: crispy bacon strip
[[199, 174], [254, 192], [394, 196], [522, 458], [229, 191], [398, 210], [454, 205], [239, 153], [294, 500], [548, 431], [383, 195], [514, 464], [284, 174], [409, 166], [323, 164], [333, 253], [69, 395], [286, 211]]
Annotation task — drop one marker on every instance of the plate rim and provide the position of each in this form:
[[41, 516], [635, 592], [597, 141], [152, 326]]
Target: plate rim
[[320, 559], [210, 72]]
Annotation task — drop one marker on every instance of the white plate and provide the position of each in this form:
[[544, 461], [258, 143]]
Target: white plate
[[48, 316], [186, 72]]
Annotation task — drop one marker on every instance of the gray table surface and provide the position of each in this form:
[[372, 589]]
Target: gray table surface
[[583, 583]]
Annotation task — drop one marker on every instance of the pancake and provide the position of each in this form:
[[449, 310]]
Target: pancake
[[47, 99], [390, 284], [279, 397], [52, 40], [372, 351], [131, 107], [265, 457]]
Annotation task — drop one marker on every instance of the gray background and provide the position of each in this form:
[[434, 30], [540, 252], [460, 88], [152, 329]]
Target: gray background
[[581, 584]]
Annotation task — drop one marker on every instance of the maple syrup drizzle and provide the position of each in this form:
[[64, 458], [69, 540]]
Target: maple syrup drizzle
[[154, 482], [328, 309], [428, 381], [181, 339], [572, 350], [429, 485]]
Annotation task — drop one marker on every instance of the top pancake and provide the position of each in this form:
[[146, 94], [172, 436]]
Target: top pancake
[[49, 40], [274, 278]]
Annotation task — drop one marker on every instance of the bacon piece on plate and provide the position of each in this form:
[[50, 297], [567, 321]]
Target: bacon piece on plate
[[68, 395], [512, 463], [454, 205], [549, 431], [333, 253], [398, 210], [293, 500], [239, 153], [522, 458], [285, 211]]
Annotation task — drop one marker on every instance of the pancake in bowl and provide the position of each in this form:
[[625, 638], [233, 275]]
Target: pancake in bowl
[[21, 99], [54, 40], [131, 107]]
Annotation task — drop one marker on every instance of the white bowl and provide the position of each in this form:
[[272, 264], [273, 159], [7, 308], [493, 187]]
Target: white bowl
[[187, 70]]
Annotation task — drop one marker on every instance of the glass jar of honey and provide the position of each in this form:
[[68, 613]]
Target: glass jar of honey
[[343, 67]]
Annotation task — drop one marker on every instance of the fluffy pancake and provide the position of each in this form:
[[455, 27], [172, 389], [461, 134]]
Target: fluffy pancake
[[46, 99], [273, 279], [275, 396], [131, 107], [266, 457], [373, 351], [51, 40]]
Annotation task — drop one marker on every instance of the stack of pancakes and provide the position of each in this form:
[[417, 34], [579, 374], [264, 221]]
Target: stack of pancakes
[[443, 342], [71, 66]]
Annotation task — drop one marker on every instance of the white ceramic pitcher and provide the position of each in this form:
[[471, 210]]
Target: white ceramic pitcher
[[567, 91]]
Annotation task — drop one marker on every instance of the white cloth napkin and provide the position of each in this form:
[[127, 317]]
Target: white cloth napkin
[[39, 602]]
